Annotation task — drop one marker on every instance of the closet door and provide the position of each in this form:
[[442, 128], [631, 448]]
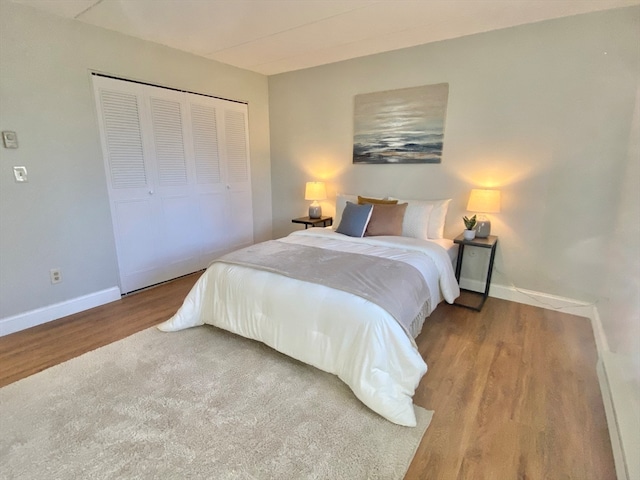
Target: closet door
[[209, 189], [223, 177], [238, 175], [175, 210], [178, 175], [129, 180]]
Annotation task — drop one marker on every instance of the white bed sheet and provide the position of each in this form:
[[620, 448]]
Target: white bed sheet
[[449, 246], [333, 330]]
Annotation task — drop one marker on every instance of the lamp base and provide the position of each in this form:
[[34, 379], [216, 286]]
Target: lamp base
[[483, 228], [315, 211]]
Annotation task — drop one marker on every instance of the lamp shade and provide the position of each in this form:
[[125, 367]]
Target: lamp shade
[[315, 191], [484, 201]]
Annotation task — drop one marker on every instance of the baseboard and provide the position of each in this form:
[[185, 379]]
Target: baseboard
[[614, 436], [529, 297], [42, 315], [622, 407]]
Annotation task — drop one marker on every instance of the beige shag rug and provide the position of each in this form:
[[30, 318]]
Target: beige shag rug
[[196, 404]]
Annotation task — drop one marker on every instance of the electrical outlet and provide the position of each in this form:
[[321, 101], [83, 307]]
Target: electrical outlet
[[56, 275]]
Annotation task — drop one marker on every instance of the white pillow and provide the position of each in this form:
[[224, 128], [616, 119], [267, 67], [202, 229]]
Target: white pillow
[[341, 202], [424, 218], [437, 218], [416, 220]]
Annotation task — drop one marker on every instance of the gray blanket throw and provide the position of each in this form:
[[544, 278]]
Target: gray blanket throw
[[397, 287]]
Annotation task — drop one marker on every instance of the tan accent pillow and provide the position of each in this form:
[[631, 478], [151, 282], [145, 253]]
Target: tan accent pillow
[[386, 220], [376, 201]]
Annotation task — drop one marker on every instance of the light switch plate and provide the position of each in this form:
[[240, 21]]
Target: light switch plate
[[9, 139], [20, 173]]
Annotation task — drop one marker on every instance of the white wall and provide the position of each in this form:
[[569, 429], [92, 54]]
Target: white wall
[[619, 311], [619, 296], [543, 112], [61, 217]]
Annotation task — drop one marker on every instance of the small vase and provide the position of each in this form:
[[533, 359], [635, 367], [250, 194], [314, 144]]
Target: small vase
[[469, 234]]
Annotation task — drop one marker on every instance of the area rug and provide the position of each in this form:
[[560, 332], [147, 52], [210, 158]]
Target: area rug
[[201, 403]]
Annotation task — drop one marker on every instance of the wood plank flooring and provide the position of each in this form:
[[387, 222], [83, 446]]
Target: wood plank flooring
[[514, 387]]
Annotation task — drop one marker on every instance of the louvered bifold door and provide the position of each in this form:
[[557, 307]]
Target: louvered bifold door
[[177, 167], [209, 176], [238, 174], [120, 107], [176, 202]]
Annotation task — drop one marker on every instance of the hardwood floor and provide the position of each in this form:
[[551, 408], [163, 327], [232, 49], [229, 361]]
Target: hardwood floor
[[514, 387], [515, 394]]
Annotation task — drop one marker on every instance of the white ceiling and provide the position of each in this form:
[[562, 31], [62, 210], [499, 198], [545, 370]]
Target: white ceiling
[[275, 36]]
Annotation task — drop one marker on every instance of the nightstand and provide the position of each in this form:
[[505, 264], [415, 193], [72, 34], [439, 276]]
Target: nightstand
[[314, 222], [490, 242]]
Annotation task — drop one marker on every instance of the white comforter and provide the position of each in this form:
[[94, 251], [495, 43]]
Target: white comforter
[[335, 331]]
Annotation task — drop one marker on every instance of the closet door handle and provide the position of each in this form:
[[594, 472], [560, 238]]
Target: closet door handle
[[150, 192]]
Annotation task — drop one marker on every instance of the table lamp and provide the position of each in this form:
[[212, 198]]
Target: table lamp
[[315, 191], [480, 202]]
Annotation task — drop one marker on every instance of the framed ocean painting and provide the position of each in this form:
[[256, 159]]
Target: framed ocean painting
[[400, 126]]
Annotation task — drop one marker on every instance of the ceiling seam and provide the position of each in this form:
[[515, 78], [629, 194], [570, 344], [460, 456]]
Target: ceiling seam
[[77, 17], [289, 29]]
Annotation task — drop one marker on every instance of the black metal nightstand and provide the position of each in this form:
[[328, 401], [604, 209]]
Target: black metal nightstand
[[490, 242], [314, 222]]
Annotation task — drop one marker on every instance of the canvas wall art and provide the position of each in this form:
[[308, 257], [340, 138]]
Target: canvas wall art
[[400, 126]]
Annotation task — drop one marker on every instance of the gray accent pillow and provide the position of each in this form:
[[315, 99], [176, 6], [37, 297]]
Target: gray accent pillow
[[355, 219]]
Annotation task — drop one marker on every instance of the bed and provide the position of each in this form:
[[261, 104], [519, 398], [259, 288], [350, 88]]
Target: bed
[[346, 332]]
